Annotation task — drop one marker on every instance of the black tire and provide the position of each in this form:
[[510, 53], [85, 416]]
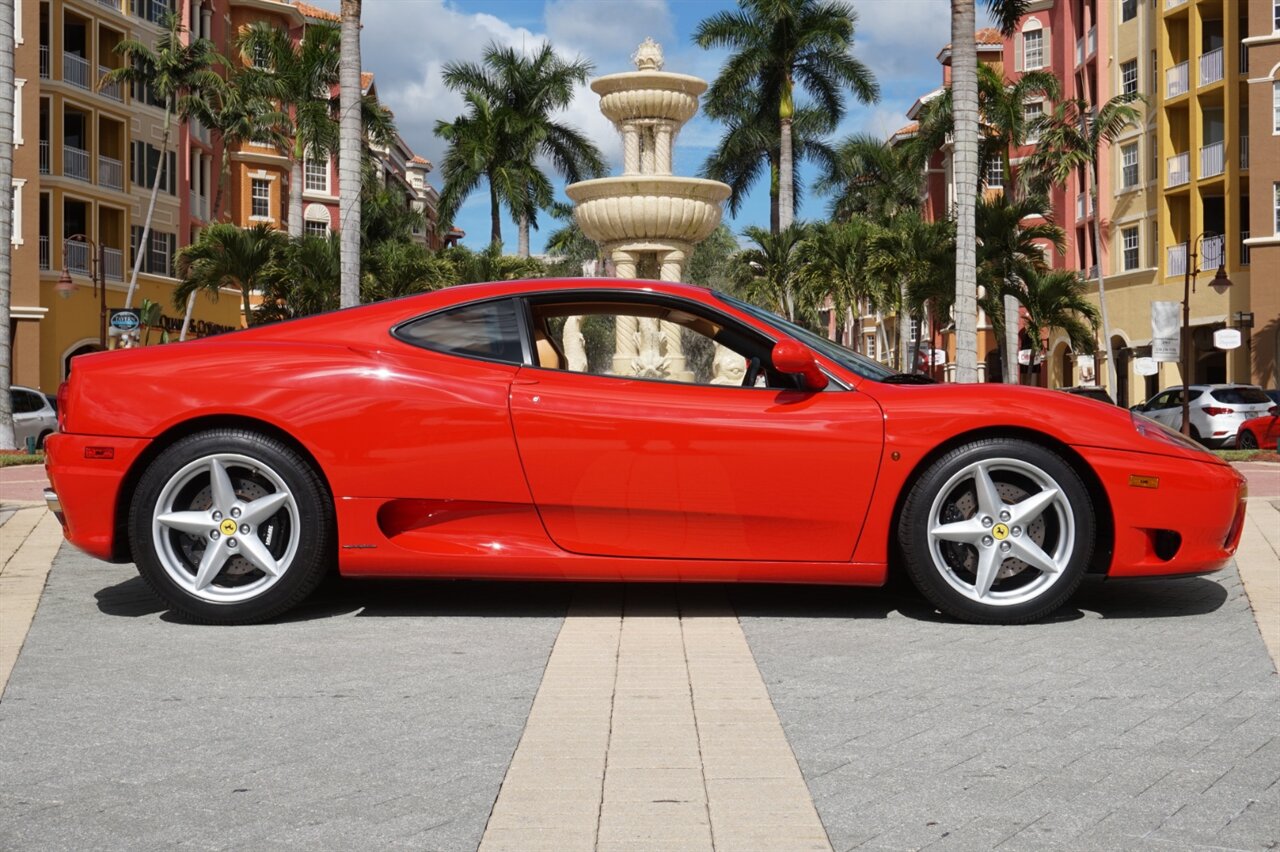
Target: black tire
[[1246, 441], [296, 540], [946, 563], [40, 439], [1195, 436]]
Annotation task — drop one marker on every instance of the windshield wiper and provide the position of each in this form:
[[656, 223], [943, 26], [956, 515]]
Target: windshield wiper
[[908, 379]]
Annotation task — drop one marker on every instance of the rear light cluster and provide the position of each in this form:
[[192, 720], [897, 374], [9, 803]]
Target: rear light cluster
[[63, 395], [1214, 411]]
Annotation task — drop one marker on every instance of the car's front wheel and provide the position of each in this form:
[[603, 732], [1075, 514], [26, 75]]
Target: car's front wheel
[[230, 526], [1246, 441], [998, 531]]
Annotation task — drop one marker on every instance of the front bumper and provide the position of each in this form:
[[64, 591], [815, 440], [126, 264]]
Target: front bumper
[[86, 475], [1172, 516]]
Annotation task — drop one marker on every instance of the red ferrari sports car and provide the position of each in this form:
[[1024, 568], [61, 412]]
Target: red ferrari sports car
[[1260, 433], [607, 430]]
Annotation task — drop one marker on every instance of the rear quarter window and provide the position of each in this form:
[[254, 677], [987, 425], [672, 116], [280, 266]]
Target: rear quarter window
[[1241, 396], [487, 330]]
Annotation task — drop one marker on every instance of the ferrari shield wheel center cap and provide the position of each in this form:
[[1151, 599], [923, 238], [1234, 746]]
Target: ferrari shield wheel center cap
[[229, 527], [1000, 531]]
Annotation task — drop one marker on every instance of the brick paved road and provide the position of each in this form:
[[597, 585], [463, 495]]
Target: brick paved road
[[1147, 718], [121, 729]]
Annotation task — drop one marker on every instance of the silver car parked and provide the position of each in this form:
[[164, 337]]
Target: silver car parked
[[34, 415], [1216, 410]]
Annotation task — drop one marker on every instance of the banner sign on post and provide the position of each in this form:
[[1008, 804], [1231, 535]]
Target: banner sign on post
[[1226, 338], [1166, 335], [1088, 373]]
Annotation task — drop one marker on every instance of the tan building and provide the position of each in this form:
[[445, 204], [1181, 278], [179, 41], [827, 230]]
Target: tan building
[[1263, 242]]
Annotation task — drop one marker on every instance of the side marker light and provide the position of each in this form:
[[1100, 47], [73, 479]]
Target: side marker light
[[1144, 481]]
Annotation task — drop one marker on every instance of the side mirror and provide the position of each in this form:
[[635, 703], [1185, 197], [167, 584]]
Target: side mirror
[[790, 357]]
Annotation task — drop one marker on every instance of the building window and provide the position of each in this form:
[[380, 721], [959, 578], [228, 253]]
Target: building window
[[15, 238], [1128, 10], [1033, 50], [261, 58], [1275, 107], [1129, 165], [146, 160], [1275, 16], [1131, 248], [260, 198], [1032, 112], [316, 176], [1129, 77], [1276, 191], [312, 228], [995, 174]]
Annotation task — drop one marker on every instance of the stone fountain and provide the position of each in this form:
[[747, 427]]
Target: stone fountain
[[648, 220]]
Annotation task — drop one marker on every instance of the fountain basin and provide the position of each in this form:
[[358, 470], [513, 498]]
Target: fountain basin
[[648, 207], [648, 95]]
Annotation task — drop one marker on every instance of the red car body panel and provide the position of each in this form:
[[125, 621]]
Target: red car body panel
[[446, 466], [1265, 429]]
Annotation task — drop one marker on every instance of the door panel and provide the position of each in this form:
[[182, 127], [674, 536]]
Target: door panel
[[623, 467]]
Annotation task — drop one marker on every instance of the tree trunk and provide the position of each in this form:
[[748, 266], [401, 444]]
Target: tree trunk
[[7, 438], [351, 139], [523, 246], [786, 181], [186, 318], [295, 197], [903, 328], [964, 91], [773, 195], [495, 215], [151, 206], [245, 290], [1011, 372], [1091, 194]]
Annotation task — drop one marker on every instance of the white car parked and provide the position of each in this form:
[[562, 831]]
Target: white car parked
[[1216, 410], [34, 415]]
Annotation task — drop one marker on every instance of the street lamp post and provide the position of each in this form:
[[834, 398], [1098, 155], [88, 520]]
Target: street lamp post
[[97, 271], [1220, 283]]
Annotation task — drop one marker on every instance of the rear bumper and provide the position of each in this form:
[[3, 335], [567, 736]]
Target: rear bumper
[[1188, 523], [86, 474]]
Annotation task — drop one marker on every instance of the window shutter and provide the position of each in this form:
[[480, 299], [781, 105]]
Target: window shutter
[[1017, 52], [171, 173], [135, 237], [1048, 47], [173, 252]]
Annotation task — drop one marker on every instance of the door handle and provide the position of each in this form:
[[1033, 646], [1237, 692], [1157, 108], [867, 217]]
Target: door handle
[[524, 381]]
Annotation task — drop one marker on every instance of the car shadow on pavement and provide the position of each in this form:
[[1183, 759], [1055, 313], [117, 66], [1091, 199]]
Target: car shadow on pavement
[[426, 598]]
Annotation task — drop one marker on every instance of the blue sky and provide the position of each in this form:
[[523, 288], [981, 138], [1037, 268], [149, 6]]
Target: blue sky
[[406, 42]]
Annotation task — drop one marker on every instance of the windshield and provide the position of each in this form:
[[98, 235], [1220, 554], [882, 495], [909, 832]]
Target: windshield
[[847, 358]]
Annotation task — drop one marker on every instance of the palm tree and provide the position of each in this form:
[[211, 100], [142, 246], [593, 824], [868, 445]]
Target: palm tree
[[964, 88], [526, 91], [769, 272], [351, 143], [836, 260], [776, 45], [476, 153], [911, 258], [302, 278], [300, 78], [1057, 299], [491, 265], [1008, 251], [868, 176], [183, 77], [227, 256], [752, 141], [1072, 139], [7, 437]]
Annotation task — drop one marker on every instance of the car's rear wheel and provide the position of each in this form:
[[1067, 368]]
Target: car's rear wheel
[[40, 440], [1246, 441], [230, 526], [998, 531]]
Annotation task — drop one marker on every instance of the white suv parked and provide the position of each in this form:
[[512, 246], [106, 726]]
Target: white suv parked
[[34, 415], [1216, 410]]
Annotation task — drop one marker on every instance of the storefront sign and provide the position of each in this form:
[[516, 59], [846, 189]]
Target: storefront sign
[[1146, 366], [123, 320], [1226, 338]]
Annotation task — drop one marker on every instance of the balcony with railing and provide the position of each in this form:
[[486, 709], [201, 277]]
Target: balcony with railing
[[75, 163], [75, 70], [1211, 252], [1176, 260], [199, 206], [1080, 51], [76, 253], [112, 264], [44, 252], [1175, 80], [1243, 67], [46, 157], [110, 173], [1244, 152], [1173, 4], [1093, 41], [115, 90], [1179, 169], [1244, 248], [1079, 206], [44, 62], [110, 4], [1211, 67], [1211, 157]]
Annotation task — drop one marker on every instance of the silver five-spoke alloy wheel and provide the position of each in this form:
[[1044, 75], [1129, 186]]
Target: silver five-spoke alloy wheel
[[1014, 542], [224, 541]]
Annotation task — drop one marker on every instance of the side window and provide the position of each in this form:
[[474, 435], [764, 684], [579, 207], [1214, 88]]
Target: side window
[[23, 402], [653, 341], [486, 330]]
